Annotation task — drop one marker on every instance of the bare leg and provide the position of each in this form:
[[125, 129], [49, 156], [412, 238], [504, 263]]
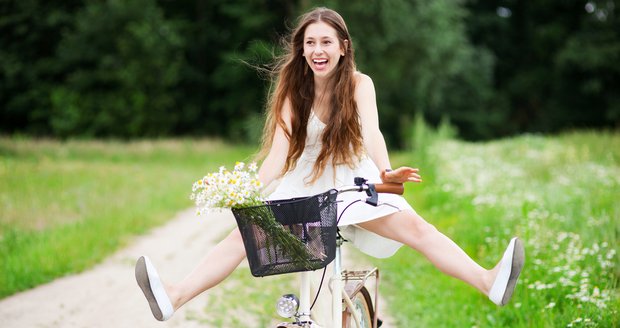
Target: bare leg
[[218, 264], [412, 230]]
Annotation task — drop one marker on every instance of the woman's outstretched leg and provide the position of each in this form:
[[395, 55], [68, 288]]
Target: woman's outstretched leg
[[218, 264], [410, 229]]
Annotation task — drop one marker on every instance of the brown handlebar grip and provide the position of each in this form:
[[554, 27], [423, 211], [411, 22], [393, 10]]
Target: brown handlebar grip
[[390, 188]]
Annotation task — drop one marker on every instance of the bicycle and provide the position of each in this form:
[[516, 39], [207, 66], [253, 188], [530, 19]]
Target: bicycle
[[313, 221]]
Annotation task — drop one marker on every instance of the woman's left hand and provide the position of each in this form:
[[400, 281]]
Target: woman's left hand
[[401, 175]]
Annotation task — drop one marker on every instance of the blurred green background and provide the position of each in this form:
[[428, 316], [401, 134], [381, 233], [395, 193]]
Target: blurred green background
[[109, 110], [168, 68]]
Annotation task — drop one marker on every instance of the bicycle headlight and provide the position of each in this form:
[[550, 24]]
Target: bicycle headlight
[[287, 305]]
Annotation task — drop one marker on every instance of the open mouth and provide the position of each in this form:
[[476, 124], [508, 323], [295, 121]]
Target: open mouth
[[320, 63]]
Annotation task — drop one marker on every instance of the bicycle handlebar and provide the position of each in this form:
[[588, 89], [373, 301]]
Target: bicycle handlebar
[[390, 188]]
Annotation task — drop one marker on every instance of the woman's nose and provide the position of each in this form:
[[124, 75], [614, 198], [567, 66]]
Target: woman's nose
[[318, 49]]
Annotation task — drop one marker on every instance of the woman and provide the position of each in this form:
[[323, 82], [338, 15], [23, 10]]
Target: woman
[[322, 131]]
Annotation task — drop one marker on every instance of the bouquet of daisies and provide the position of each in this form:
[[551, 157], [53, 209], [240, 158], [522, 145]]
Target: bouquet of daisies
[[227, 189], [241, 188]]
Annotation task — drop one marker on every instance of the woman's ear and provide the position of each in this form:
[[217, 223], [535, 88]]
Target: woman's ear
[[345, 46]]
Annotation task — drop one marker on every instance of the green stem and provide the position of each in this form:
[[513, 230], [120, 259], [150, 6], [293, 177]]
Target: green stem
[[283, 240]]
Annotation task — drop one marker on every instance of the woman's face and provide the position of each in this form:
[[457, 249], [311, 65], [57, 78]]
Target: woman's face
[[322, 49]]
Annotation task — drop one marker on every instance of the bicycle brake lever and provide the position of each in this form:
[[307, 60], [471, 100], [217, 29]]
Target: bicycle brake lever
[[374, 197]]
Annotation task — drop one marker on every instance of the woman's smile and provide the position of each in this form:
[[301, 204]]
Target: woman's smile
[[320, 64]]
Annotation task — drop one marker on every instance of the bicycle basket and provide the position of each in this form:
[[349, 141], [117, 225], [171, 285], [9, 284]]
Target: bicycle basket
[[311, 221]]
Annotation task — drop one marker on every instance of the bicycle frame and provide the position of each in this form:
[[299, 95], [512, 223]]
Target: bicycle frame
[[338, 283], [355, 280]]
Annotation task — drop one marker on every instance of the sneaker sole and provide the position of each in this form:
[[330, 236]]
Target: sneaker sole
[[518, 260], [142, 278]]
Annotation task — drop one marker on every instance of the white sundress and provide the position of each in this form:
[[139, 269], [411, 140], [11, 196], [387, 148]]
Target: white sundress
[[294, 184]]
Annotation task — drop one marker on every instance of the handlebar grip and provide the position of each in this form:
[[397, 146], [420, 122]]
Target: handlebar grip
[[390, 188]]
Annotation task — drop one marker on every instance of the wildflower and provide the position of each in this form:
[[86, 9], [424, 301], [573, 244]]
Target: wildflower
[[253, 167], [225, 189]]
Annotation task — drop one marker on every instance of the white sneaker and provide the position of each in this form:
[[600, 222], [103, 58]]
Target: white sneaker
[[153, 289], [509, 270]]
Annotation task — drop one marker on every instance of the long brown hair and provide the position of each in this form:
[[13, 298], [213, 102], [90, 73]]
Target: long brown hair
[[342, 138]]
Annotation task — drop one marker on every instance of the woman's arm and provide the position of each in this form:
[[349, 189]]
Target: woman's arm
[[369, 117], [274, 161], [373, 138]]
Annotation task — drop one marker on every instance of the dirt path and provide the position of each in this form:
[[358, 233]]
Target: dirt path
[[108, 296]]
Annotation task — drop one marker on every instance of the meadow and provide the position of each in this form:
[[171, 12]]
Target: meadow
[[559, 194], [64, 206]]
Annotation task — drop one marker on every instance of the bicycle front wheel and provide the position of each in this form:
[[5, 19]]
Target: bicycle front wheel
[[363, 307]]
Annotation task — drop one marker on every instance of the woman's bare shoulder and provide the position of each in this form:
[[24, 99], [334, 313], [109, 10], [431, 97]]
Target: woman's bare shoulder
[[363, 84], [361, 78]]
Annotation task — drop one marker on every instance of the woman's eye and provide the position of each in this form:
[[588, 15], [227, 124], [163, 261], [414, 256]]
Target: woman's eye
[[309, 42]]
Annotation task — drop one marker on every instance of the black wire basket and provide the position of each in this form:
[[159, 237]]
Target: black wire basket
[[309, 222]]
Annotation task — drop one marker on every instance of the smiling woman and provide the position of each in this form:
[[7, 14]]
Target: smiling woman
[[322, 132]]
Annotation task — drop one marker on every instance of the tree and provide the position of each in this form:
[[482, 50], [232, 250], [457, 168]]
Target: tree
[[557, 61], [122, 63], [29, 33], [588, 71], [224, 94]]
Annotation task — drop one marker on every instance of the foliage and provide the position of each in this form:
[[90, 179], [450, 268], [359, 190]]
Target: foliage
[[223, 93], [29, 34], [155, 68], [556, 61], [123, 62], [587, 70]]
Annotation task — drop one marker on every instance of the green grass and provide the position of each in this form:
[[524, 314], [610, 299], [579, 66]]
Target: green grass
[[64, 206], [245, 301], [560, 194]]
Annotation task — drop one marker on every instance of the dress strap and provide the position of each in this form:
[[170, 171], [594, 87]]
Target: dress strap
[[313, 115]]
